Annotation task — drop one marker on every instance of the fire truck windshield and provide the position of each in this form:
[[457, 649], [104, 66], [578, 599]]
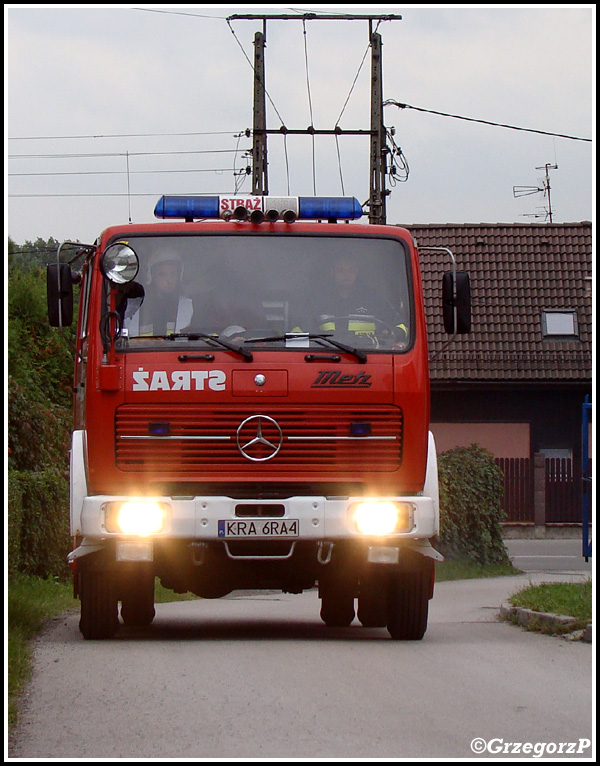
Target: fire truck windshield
[[267, 290]]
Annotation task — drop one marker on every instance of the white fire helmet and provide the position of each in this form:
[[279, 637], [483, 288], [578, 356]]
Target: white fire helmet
[[164, 256]]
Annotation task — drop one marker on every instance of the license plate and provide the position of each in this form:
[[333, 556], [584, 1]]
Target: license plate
[[280, 528]]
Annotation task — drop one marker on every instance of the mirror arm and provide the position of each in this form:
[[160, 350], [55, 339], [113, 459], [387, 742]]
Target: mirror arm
[[454, 297], [82, 250]]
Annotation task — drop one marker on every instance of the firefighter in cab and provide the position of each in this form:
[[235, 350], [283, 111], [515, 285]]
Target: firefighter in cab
[[349, 308], [164, 309]]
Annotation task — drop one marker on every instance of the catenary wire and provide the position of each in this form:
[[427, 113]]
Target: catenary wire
[[310, 109], [266, 93], [355, 78]]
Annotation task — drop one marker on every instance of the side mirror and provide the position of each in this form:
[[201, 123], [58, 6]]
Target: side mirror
[[59, 292], [456, 302]]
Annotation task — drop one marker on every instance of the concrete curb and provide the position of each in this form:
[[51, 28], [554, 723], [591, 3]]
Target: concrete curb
[[525, 617]]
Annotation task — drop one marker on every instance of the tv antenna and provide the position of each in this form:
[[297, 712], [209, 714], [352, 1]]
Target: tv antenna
[[524, 191]]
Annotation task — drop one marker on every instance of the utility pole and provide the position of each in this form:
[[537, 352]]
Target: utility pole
[[377, 131], [378, 165], [260, 184]]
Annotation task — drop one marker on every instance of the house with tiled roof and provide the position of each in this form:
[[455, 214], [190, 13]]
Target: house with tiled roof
[[516, 383]]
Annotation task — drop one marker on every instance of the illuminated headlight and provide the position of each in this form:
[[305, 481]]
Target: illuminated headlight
[[382, 517], [136, 517]]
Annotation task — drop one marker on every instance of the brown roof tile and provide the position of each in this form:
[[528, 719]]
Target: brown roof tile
[[516, 271]]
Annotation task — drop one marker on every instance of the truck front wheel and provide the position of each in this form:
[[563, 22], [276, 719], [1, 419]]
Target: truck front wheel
[[97, 592], [137, 599], [372, 601], [337, 606], [408, 604]]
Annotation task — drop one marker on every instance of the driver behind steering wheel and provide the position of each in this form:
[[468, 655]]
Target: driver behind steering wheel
[[351, 311]]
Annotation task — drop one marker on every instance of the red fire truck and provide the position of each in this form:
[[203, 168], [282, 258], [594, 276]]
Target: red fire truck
[[252, 411]]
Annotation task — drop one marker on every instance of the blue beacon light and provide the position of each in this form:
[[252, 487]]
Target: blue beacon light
[[187, 207], [329, 207], [286, 208]]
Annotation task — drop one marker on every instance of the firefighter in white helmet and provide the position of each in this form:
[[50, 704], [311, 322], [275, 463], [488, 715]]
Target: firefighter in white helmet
[[164, 309]]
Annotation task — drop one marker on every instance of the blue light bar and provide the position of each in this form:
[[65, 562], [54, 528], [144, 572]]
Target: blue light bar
[[329, 207], [257, 207], [187, 207]]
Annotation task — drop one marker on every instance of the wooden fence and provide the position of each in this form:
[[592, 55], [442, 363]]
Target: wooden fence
[[518, 488], [563, 491], [562, 496]]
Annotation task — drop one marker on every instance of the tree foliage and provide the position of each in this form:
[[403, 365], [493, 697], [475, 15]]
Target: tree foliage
[[36, 254], [471, 490], [40, 358]]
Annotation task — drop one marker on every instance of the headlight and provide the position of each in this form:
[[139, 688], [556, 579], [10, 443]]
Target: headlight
[[382, 517], [136, 517]]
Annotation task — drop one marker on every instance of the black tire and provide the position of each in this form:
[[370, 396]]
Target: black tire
[[372, 602], [97, 593], [137, 600], [408, 605], [337, 607]]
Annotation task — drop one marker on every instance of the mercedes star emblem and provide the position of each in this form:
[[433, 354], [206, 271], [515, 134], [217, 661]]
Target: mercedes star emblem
[[252, 438]]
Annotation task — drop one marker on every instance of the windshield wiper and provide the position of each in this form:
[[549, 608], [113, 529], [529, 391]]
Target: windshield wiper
[[357, 352], [245, 352]]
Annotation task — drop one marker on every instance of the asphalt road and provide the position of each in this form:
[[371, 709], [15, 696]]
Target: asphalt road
[[549, 555], [259, 676]]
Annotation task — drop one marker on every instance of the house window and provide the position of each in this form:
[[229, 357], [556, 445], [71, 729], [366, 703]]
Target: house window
[[559, 324]]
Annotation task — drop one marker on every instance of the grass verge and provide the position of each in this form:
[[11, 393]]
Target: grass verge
[[31, 602], [572, 599]]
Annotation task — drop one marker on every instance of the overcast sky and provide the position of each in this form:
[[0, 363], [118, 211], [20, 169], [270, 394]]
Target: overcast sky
[[87, 86]]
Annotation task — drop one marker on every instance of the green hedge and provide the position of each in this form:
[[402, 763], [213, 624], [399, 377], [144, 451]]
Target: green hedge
[[38, 522], [39, 434], [40, 367], [15, 520], [471, 491], [38, 485]]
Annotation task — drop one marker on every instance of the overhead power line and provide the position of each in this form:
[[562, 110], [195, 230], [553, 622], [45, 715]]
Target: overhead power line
[[107, 194], [179, 13], [116, 154], [120, 172], [131, 135], [391, 102]]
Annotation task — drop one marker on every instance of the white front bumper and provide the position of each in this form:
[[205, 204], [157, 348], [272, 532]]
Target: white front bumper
[[319, 518]]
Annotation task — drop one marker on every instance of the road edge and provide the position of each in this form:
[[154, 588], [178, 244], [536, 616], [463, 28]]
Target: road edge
[[527, 617]]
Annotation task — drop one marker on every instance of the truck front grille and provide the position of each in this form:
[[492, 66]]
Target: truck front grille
[[197, 439]]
